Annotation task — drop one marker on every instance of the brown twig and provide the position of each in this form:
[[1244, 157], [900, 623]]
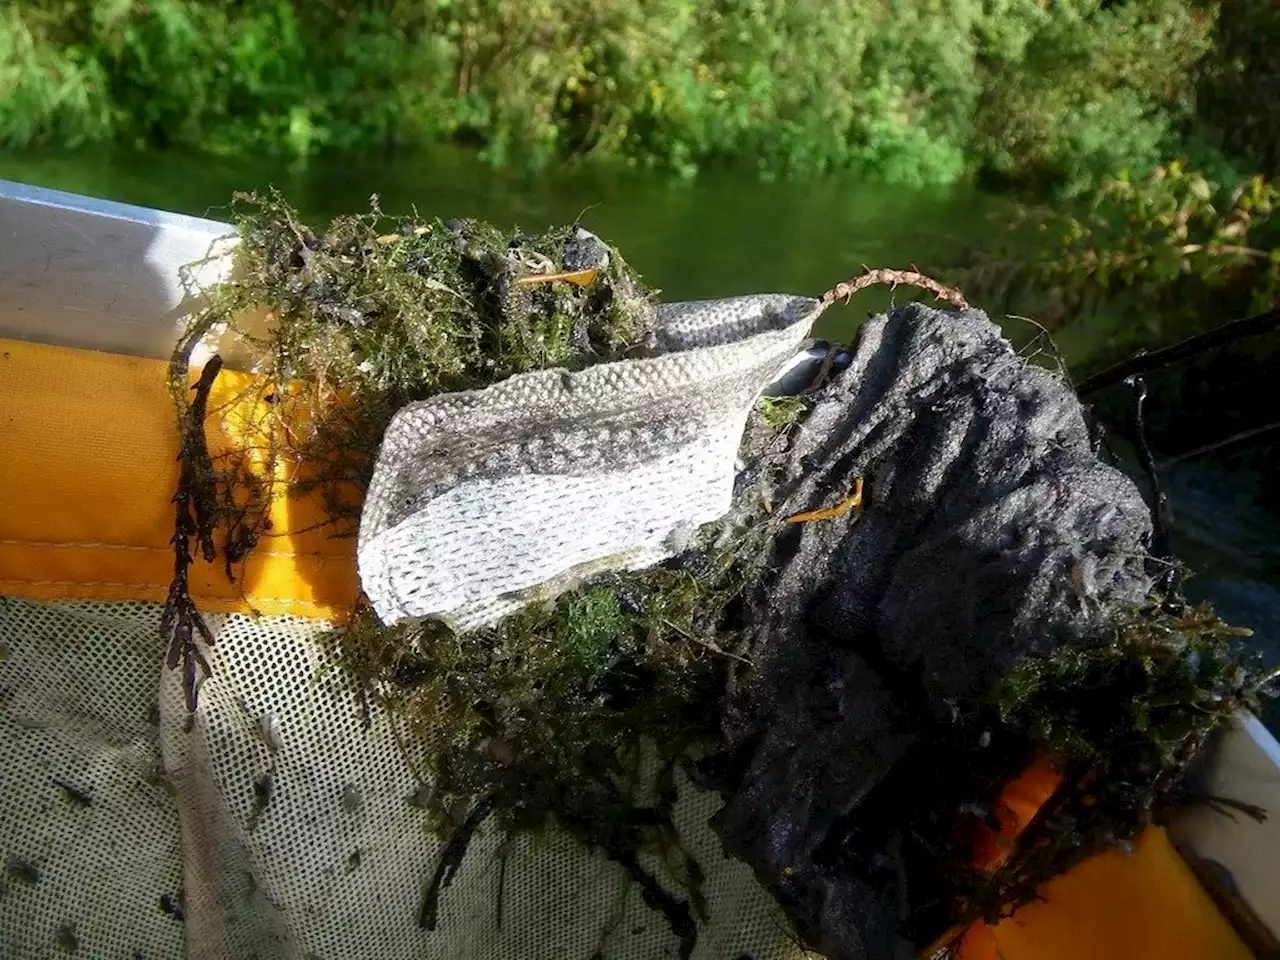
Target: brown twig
[[892, 279], [582, 278], [181, 623]]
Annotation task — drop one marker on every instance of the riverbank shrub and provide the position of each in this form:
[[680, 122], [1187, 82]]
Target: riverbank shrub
[[1239, 93], [914, 91], [1147, 262], [1174, 252]]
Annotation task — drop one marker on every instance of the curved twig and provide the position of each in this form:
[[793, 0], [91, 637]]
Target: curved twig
[[893, 278], [181, 622]]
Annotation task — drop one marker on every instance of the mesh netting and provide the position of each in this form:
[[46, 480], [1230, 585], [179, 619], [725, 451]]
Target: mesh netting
[[283, 819]]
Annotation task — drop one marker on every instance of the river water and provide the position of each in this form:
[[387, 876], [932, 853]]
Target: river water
[[726, 234]]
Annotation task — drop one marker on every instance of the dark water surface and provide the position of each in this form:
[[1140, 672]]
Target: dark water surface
[[726, 234]]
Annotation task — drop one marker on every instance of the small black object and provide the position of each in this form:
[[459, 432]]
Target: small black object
[[450, 860], [264, 788], [22, 870], [77, 796], [175, 905], [583, 250], [66, 938], [411, 672]]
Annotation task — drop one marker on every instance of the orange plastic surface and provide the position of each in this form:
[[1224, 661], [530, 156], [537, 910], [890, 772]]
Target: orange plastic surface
[[88, 468], [1020, 801], [1148, 906]]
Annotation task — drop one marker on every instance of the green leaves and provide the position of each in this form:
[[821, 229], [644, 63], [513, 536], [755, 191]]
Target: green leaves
[[1171, 245], [912, 91]]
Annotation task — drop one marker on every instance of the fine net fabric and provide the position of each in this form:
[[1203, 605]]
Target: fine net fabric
[[281, 819]]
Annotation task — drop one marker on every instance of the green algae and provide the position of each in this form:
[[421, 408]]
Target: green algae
[[345, 326], [574, 711], [779, 413]]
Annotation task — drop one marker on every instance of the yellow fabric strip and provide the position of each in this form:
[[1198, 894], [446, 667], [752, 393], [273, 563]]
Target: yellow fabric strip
[[88, 470]]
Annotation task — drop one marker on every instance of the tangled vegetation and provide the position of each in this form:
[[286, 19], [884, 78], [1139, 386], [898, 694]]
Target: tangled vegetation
[[913, 92], [574, 713], [579, 710], [1173, 246], [375, 313]]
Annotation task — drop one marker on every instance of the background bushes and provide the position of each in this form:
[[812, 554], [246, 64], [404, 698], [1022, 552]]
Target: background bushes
[[1057, 92]]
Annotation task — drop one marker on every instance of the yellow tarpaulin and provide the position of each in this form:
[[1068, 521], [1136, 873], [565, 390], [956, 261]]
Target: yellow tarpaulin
[[88, 453]]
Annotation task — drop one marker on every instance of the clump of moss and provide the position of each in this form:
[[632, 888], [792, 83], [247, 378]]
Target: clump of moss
[[1167, 675], [557, 693], [376, 312], [778, 413], [577, 711]]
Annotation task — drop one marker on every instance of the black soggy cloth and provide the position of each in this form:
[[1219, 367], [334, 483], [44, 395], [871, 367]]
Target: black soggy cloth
[[991, 531]]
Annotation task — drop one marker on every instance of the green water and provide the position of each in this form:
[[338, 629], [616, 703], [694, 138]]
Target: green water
[[726, 234]]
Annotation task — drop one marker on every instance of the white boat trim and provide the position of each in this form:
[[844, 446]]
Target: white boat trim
[[77, 271], [1243, 766]]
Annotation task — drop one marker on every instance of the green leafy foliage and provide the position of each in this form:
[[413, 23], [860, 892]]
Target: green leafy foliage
[[1097, 92], [1172, 251], [1239, 91], [914, 91]]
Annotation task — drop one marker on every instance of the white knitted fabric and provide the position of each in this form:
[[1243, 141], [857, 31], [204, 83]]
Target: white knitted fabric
[[484, 499]]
